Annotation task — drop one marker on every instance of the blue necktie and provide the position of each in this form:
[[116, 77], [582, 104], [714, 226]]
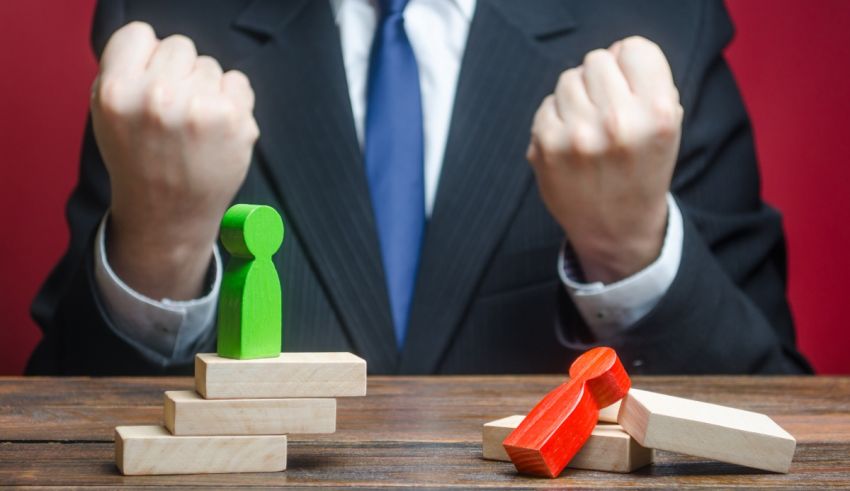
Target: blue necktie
[[393, 156]]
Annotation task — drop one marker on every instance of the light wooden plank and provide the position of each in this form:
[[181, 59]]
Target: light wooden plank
[[494, 433], [706, 430], [609, 414], [288, 375], [609, 448], [187, 413], [151, 450]]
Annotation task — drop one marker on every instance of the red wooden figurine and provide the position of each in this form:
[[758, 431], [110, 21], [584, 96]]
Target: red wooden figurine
[[554, 431]]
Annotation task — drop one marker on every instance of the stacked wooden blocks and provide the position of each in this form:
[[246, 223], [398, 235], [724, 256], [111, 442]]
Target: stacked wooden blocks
[[249, 395], [238, 419]]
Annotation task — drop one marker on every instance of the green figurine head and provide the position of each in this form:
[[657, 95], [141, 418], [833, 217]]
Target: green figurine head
[[252, 231]]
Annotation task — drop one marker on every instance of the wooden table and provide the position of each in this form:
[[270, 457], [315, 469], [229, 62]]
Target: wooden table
[[408, 431]]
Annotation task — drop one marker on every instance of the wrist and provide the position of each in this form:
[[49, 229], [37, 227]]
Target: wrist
[[157, 260], [609, 258]]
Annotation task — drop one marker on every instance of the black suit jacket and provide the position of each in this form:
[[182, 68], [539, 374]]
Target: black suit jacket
[[487, 298]]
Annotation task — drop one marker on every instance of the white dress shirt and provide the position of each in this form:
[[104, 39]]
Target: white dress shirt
[[165, 330]]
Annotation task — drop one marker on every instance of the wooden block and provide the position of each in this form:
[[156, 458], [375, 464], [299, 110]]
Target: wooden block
[[706, 430], [609, 414], [557, 427], [148, 450], [187, 413], [608, 449], [288, 375], [249, 305], [494, 432], [611, 449]]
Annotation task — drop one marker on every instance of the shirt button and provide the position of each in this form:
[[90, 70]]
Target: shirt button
[[637, 363]]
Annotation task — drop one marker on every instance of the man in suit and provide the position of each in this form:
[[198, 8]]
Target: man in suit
[[395, 142]]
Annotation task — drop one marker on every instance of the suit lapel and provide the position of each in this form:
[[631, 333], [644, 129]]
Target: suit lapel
[[309, 149], [504, 77]]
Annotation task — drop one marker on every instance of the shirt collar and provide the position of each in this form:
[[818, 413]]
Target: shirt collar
[[466, 7]]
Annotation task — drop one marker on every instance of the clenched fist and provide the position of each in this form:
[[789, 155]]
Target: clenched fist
[[603, 148], [176, 135]]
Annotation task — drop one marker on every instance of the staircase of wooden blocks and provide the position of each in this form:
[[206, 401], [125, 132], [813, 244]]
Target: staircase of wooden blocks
[[238, 417]]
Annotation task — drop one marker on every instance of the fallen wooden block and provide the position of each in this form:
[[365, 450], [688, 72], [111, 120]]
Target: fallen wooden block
[[557, 427], [187, 413], [609, 448], [288, 375], [148, 450], [706, 430]]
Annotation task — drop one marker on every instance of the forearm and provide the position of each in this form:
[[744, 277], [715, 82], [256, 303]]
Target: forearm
[[164, 330], [610, 308]]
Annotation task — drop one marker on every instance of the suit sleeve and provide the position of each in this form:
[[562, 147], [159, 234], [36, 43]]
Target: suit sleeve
[[78, 337], [726, 310]]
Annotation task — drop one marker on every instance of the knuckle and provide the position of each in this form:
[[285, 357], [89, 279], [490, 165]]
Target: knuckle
[[228, 116], [180, 41], [621, 129], [253, 131], [539, 134], [551, 144], [614, 124], [568, 78], [541, 116], [208, 61], [199, 114], [563, 79], [198, 118], [238, 87], [639, 42], [238, 78], [597, 56], [580, 143], [206, 113], [155, 90], [583, 142], [666, 115], [137, 28], [637, 46], [108, 95], [239, 75], [153, 102]]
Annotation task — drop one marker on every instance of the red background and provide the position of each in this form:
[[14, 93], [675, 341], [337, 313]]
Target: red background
[[791, 58]]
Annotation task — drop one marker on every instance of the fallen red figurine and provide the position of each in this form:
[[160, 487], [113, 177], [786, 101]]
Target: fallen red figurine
[[559, 425]]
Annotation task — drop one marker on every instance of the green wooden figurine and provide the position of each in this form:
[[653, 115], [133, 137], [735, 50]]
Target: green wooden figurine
[[249, 308]]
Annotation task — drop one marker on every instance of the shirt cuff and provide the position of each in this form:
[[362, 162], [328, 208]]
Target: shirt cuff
[[165, 331], [610, 309]]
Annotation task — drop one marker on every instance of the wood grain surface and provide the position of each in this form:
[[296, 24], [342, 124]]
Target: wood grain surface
[[407, 431]]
